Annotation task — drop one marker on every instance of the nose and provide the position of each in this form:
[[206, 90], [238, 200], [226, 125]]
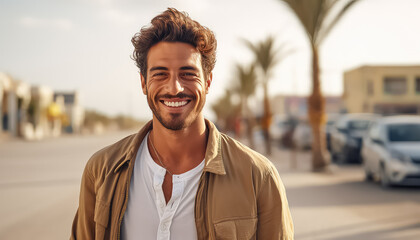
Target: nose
[[174, 85]]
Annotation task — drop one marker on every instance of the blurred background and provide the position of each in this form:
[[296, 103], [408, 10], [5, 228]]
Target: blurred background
[[328, 90]]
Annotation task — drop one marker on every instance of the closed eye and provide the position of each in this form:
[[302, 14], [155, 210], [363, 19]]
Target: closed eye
[[188, 74], [159, 75]]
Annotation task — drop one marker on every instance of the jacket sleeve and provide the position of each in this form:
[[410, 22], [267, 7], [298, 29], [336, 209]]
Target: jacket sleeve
[[83, 223], [274, 218]]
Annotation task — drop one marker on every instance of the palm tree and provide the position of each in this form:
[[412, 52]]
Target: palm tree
[[266, 58], [245, 85], [313, 16], [225, 111]]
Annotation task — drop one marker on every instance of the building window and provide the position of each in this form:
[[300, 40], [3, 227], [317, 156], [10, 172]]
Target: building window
[[417, 84], [395, 85]]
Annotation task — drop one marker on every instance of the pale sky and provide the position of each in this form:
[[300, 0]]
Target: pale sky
[[85, 44]]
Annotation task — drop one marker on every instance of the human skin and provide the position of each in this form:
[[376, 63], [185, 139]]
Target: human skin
[[176, 89]]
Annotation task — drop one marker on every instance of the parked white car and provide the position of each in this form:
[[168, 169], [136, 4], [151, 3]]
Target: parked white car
[[391, 151]]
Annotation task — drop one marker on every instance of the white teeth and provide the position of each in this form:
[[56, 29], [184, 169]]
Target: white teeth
[[175, 104]]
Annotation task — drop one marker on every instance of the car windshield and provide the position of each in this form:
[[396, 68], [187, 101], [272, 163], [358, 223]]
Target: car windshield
[[330, 123], [404, 132], [358, 124]]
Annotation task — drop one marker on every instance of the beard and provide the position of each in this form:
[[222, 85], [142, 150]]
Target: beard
[[176, 121]]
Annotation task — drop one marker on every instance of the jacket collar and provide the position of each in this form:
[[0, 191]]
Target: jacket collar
[[213, 155], [134, 143]]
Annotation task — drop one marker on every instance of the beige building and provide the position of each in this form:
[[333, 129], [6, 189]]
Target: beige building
[[73, 110], [297, 106], [40, 125], [36, 112], [382, 89], [14, 100]]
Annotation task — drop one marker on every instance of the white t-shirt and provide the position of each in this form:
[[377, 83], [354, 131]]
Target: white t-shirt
[[147, 215]]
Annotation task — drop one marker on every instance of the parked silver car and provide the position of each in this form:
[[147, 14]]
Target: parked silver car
[[391, 151], [329, 126], [279, 127], [347, 134], [302, 136]]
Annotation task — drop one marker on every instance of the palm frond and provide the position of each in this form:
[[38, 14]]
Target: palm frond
[[246, 80], [266, 56], [326, 30], [313, 14]]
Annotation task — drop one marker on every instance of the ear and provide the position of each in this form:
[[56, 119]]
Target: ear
[[143, 84], [208, 82]]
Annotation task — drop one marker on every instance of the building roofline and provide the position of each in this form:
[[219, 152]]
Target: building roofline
[[383, 66], [305, 95]]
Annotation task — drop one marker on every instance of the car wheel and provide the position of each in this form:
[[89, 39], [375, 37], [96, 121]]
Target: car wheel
[[333, 156], [342, 157], [385, 182], [368, 175]]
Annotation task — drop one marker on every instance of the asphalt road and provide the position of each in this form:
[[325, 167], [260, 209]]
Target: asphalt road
[[39, 185], [342, 205]]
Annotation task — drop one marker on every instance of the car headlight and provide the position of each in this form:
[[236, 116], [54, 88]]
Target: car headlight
[[397, 155]]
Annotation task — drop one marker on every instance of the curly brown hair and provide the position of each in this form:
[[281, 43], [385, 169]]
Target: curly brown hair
[[175, 26]]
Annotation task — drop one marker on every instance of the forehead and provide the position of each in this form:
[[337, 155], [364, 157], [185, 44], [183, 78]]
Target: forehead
[[173, 54]]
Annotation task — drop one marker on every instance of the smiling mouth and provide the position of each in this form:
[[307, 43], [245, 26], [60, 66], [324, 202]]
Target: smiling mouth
[[175, 104]]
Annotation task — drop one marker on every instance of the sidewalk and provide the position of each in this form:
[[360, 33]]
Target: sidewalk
[[4, 137]]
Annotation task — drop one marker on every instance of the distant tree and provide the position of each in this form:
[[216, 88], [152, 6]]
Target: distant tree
[[244, 85], [266, 58], [127, 122], [92, 117], [315, 17], [226, 111]]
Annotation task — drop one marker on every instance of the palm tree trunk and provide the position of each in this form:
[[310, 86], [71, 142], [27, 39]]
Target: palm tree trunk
[[250, 128], [247, 114], [316, 112], [266, 121]]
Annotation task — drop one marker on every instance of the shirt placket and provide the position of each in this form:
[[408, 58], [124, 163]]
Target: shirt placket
[[157, 187], [167, 211]]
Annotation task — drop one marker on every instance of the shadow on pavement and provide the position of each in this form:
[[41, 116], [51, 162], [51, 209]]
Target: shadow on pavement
[[377, 234], [383, 234], [39, 183], [349, 193]]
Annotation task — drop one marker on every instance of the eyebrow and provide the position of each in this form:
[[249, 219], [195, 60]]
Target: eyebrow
[[166, 69], [158, 68], [188, 68]]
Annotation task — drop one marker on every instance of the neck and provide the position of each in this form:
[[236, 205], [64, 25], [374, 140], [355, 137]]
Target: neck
[[180, 150]]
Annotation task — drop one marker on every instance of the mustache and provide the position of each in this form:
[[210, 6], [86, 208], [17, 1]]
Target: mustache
[[179, 95]]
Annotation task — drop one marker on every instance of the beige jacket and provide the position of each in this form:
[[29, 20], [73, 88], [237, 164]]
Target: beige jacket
[[240, 194]]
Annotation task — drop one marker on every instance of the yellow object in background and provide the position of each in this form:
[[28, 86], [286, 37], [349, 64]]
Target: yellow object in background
[[54, 110]]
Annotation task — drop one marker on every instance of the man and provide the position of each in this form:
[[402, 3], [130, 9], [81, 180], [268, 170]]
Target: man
[[179, 178]]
